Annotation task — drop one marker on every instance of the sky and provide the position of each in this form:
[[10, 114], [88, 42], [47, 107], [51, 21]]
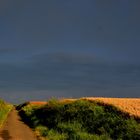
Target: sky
[[69, 48]]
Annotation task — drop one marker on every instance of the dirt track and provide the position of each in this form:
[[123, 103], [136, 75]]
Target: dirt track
[[14, 129]]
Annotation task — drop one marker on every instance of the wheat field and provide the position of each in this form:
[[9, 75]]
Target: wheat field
[[128, 105]]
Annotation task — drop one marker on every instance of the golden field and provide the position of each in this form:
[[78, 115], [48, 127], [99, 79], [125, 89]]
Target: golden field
[[128, 105]]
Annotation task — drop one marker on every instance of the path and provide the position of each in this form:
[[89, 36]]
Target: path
[[14, 129]]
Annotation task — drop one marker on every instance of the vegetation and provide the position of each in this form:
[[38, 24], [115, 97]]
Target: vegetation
[[4, 110], [80, 120]]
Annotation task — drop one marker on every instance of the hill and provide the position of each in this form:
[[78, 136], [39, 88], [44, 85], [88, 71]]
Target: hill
[[131, 106], [127, 105], [83, 119]]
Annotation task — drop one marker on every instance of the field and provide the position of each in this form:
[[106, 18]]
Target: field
[[73, 119], [128, 105], [4, 110]]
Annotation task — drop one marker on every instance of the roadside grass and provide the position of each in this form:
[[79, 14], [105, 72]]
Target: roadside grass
[[80, 120], [5, 108]]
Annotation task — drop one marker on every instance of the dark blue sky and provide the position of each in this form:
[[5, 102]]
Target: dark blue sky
[[69, 48]]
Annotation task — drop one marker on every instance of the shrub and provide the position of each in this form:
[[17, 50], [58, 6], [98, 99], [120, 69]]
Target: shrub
[[69, 127], [43, 130], [54, 135]]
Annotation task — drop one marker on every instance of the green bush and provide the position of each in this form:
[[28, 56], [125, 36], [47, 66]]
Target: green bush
[[54, 135], [69, 127], [43, 130], [87, 136], [28, 115]]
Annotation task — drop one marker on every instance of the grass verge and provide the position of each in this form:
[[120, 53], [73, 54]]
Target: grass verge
[[5, 108]]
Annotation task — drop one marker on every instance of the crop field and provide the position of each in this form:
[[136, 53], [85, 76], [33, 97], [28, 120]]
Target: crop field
[[128, 105]]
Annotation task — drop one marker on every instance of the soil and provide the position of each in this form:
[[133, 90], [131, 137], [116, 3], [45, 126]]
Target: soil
[[15, 129]]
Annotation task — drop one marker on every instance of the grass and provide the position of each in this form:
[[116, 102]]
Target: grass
[[4, 110], [80, 120]]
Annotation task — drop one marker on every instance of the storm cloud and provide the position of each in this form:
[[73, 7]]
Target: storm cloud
[[69, 48]]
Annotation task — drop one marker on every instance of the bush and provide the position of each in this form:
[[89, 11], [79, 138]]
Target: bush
[[43, 130], [28, 115], [69, 127], [54, 135]]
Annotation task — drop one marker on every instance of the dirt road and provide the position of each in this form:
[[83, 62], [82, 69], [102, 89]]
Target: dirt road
[[14, 129]]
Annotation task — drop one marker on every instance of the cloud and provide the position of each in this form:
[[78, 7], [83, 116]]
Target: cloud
[[4, 50], [64, 57], [51, 45], [7, 7]]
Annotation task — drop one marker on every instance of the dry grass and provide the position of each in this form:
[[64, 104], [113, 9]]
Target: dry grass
[[128, 105], [37, 102], [45, 102]]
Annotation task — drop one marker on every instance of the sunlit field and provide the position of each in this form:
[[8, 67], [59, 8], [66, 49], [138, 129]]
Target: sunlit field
[[129, 105]]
